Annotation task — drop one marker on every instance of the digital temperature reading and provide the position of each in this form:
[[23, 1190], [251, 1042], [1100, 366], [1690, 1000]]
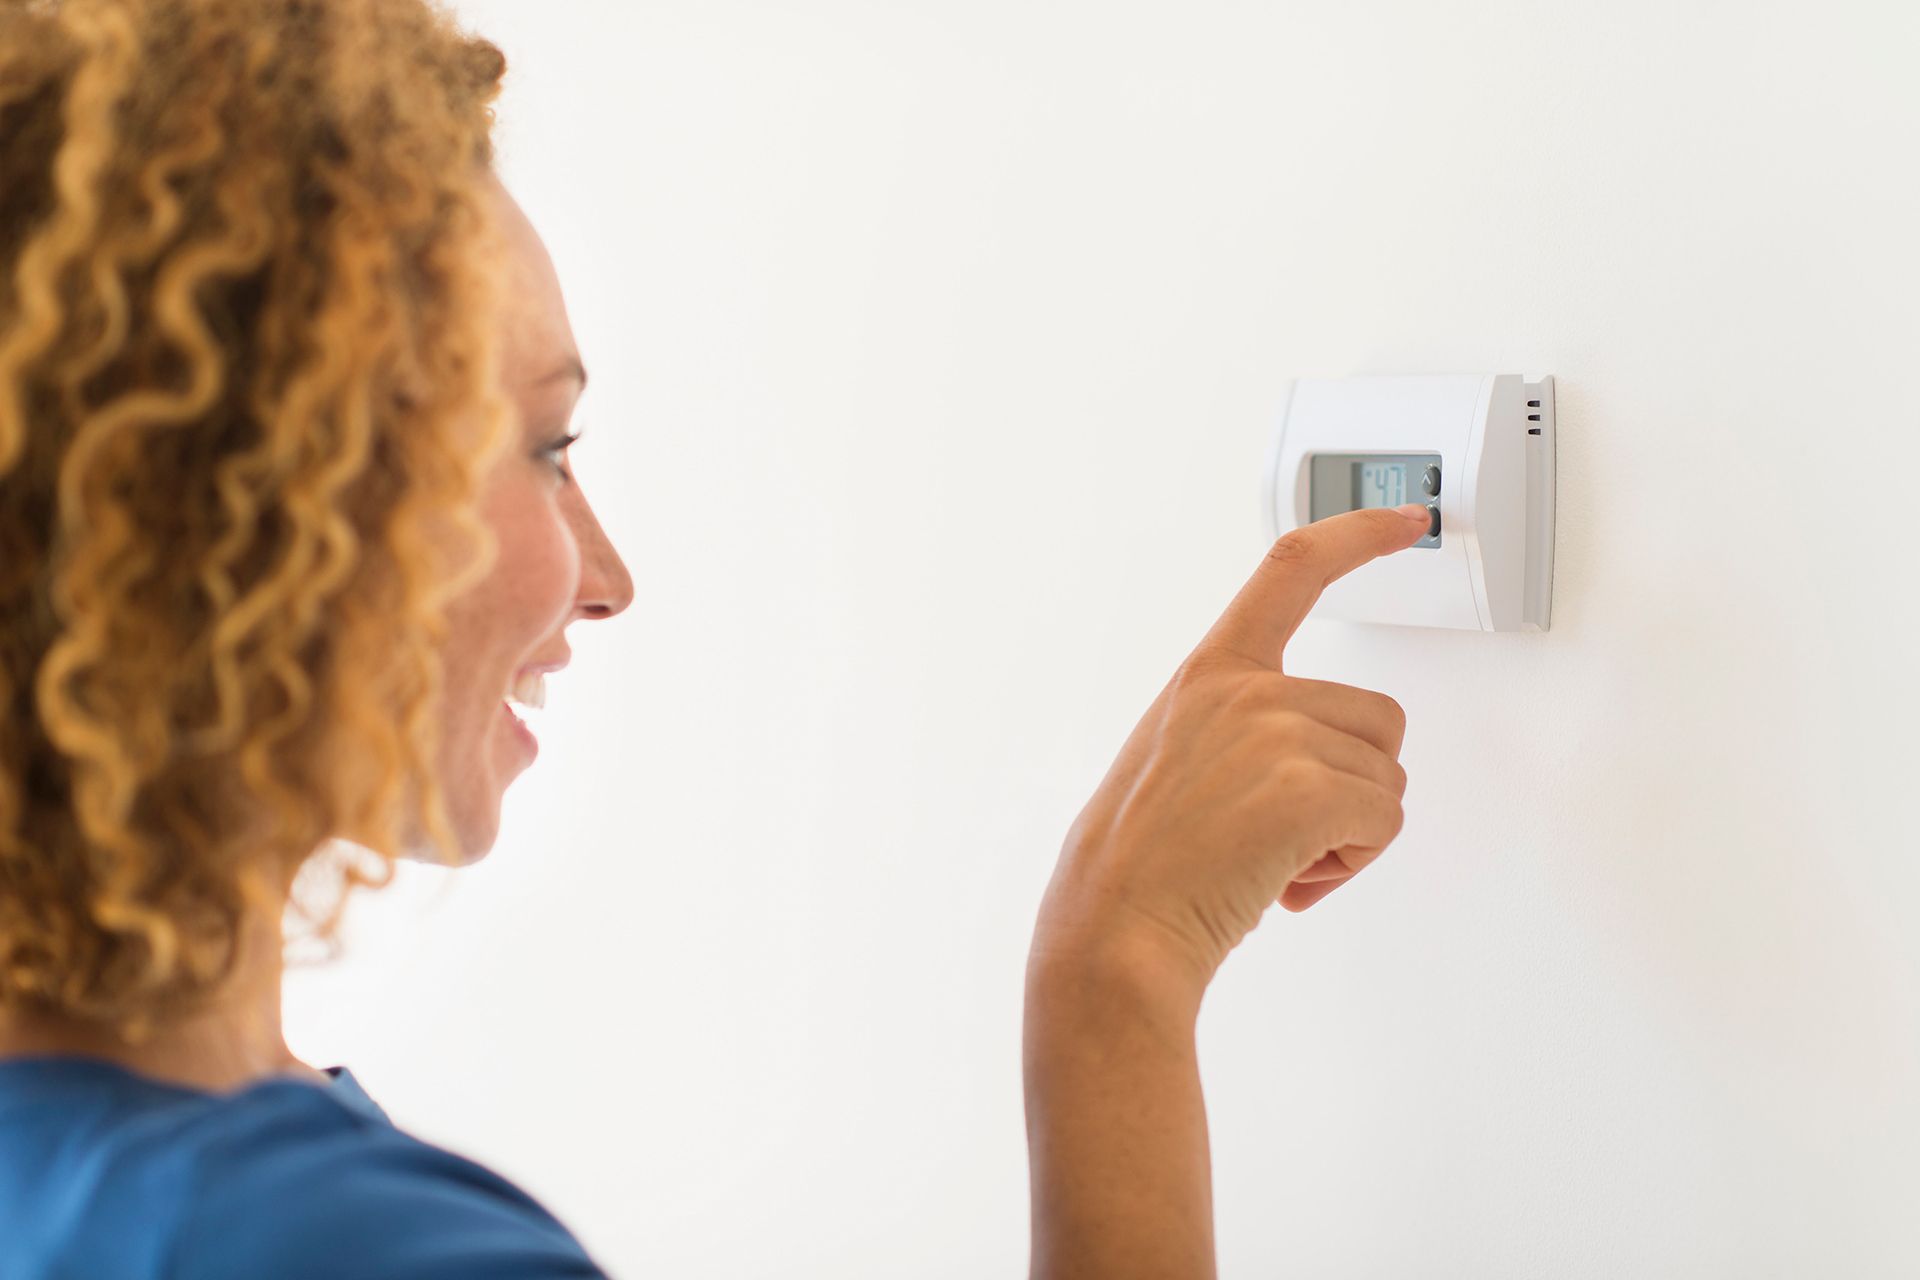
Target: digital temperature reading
[[1382, 484]]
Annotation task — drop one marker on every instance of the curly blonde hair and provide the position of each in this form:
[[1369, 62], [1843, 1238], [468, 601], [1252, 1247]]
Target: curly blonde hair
[[247, 384]]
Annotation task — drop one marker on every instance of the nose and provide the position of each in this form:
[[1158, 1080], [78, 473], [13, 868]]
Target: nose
[[606, 588]]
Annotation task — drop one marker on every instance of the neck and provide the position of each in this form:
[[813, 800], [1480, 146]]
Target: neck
[[234, 1042]]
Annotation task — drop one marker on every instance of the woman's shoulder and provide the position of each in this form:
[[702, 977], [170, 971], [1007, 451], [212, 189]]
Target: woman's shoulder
[[105, 1173]]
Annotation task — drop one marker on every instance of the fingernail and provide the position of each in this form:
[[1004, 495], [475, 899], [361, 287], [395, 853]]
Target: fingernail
[[1414, 511]]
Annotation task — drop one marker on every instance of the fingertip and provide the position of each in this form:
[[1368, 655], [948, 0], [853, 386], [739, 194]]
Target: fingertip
[[1416, 518]]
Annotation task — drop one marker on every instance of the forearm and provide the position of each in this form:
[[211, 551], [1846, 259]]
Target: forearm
[[1116, 1126]]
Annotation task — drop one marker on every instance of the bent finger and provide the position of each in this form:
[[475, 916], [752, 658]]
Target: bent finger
[[1298, 897], [1344, 810], [1370, 716], [1344, 751]]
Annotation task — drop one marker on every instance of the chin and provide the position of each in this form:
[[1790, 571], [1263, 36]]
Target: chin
[[424, 856], [474, 837]]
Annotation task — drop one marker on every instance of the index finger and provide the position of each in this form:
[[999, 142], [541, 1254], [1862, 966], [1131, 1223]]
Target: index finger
[[1267, 611]]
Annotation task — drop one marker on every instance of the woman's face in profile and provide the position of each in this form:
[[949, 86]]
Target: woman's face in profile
[[555, 564]]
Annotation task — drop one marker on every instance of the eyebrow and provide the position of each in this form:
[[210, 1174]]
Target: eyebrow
[[570, 368]]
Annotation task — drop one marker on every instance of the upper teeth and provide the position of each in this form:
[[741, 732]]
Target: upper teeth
[[529, 689]]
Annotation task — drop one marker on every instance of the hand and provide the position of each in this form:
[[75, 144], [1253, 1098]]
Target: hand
[[1241, 785]]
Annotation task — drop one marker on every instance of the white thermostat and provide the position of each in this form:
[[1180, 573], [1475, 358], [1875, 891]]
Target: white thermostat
[[1476, 449]]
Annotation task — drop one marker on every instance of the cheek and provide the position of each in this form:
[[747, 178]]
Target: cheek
[[553, 569], [537, 573]]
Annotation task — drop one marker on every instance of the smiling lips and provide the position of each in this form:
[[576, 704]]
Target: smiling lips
[[529, 689], [520, 730]]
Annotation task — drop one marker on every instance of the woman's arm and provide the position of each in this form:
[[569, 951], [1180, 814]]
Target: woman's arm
[[1116, 1128], [1241, 786]]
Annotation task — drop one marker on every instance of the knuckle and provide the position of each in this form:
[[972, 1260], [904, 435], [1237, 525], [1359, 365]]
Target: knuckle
[[1256, 691], [1190, 671], [1292, 728], [1392, 710], [1206, 666], [1293, 774], [1294, 547], [1399, 779], [1191, 678], [1305, 777]]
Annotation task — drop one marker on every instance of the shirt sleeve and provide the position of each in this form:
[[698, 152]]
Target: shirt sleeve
[[309, 1191]]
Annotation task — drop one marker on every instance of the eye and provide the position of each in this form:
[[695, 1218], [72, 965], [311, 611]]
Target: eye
[[561, 446]]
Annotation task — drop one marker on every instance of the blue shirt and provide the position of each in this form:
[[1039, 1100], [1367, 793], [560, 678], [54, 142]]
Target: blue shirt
[[110, 1175]]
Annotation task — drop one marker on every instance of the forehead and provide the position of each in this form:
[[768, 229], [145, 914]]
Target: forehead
[[536, 334]]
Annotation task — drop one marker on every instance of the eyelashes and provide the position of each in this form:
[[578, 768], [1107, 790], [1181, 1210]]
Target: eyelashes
[[561, 446]]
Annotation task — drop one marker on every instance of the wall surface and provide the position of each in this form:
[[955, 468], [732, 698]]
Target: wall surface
[[934, 351]]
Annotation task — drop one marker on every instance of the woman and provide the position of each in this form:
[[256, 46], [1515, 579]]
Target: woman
[[285, 376]]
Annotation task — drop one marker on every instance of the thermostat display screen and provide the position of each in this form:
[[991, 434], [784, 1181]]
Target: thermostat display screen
[[1352, 480], [1349, 481]]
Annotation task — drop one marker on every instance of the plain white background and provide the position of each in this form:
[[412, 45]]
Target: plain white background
[[934, 350]]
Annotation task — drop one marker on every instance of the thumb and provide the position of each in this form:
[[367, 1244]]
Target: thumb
[[1287, 583]]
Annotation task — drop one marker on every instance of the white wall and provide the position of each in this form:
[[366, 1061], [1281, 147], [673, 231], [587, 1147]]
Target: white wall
[[934, 350]]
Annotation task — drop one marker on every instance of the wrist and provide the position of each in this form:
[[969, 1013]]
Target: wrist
[[1125, 970]]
